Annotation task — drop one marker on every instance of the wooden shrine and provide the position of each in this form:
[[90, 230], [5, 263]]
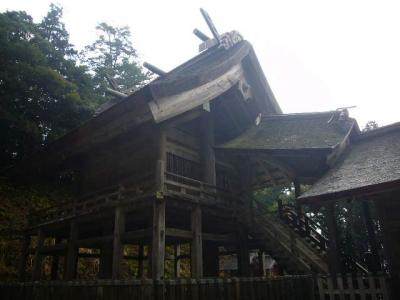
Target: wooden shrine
[[176, 163]]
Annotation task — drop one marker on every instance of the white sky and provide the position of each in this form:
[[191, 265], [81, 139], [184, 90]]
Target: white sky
[[317, 55]]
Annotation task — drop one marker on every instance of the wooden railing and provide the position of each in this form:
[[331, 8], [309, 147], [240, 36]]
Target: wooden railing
[[305, 226], [94, 202], [173, 184], [312, 231], [198, 190]]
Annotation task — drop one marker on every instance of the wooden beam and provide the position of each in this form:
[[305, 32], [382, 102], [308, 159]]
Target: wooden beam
[[137, 235], [210, 24], [158, 243], [154, 69], [202, 36], [179, 233], [222, 238], [119, 229], [197, 243], [174, 105], [116, 93], [37, 262], [72, 253], [188, 235], [23, 258]]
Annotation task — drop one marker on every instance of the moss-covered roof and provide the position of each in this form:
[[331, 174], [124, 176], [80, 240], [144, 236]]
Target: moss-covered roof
[[293, 131], [371, 162]]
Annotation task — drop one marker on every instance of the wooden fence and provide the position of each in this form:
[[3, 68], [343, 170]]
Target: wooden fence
[[282, 288], [352, 287]]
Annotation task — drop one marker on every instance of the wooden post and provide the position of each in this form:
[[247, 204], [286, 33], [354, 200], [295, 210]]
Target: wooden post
[[158, 244], [244, 255], [119, 229], [24, 257], [197, 243], [261, 263], [299, 211], [37, 263], [177, 262], [371, 237], [106, 257], [161, 162], [333, 250], [211, 259], [72, 253], [141, 261], [55, 262], [208, 154]]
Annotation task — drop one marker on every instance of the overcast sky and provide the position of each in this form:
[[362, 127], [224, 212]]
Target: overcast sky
[[317, 55]]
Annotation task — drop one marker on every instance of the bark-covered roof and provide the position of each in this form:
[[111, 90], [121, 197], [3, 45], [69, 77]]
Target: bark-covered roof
[[371, 162], [293, 131]]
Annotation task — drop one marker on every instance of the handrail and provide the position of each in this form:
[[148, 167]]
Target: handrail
[[304, 224]]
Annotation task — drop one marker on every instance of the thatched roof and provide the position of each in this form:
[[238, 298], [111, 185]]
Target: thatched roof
[[322, 130], [371, 164]]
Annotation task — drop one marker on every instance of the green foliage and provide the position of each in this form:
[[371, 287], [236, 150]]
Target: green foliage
[[112, 55], [271, 195], [44, 92], [18, 205]]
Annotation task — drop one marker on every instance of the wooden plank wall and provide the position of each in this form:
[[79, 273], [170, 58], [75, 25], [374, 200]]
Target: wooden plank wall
[[126, 160], [282, 288]]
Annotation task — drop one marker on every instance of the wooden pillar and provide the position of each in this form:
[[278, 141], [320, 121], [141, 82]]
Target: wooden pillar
[[119, 229], [141, 261], [197, 243], [211, 260], [371, 237], [177, 261], [261, 263], [243, 255], [37, 263], [208, 154], [333, 249], [23, 258], [158, 244], [106, 257], [158, 233], [72, 253], [55, 262]]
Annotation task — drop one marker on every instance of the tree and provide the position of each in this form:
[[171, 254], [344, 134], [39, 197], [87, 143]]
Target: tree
[[113, 55], [370, 125], [44, 92]]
